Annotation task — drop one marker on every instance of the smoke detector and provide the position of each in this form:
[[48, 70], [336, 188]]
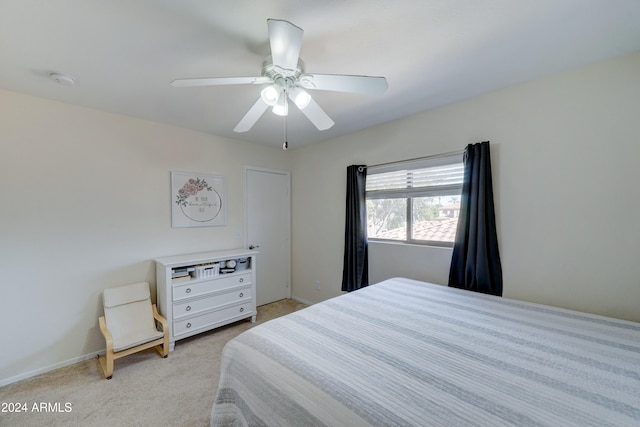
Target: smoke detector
[[62, 79]]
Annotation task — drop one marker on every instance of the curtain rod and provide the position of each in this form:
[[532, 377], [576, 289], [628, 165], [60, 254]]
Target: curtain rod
[[452, 153]]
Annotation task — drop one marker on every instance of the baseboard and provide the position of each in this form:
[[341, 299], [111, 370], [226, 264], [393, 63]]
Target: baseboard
[[302, 301], [45, 369]]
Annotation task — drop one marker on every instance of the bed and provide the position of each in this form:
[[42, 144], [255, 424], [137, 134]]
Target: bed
[[404, 352]]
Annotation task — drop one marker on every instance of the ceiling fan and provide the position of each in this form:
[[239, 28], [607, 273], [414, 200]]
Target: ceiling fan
[[285, 79]]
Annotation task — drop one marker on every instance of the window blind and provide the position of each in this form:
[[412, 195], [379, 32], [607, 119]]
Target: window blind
[[423, 178]]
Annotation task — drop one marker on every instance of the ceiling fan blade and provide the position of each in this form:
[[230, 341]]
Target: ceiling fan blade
[[317, 116], [366, 85], [251, 117], [217, 81], [285, 40]]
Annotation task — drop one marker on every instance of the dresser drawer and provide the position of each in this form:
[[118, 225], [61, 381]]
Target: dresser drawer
[[189, 290], [209, 320], [205, 303]]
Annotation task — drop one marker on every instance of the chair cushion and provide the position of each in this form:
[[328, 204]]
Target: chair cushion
[[114, 297], [129, 316], [134, 338]]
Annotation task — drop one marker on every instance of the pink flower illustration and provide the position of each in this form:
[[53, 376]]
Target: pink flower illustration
[[191, 188]]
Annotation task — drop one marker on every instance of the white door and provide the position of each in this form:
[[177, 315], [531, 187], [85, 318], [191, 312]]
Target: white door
[[268, 216]]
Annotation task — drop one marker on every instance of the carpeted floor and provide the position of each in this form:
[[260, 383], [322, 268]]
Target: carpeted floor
[[146, 390]]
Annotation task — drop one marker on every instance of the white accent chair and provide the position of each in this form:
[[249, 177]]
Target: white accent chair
[[130, 324]]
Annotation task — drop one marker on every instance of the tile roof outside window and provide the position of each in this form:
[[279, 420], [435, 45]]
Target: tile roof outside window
[[441, 229]]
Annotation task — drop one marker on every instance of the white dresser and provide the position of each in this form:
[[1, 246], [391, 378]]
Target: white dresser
[[203, 291]]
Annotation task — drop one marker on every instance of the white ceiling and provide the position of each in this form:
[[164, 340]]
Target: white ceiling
[[124, 53]]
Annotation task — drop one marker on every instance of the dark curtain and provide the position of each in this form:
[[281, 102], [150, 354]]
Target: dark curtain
[[475, 264], [355, 270]]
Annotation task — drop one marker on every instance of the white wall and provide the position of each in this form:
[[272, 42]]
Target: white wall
[[86, 206], [565, 156]]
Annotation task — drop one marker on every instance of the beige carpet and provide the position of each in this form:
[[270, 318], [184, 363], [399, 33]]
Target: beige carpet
[[146, 390]]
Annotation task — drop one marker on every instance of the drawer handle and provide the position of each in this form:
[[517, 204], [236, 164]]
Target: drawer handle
[[188, 325], [241, 309], [188, 290], [188, 308], [241, 294], [241, 279]]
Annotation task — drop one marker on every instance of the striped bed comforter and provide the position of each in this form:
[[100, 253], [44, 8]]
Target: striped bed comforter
[[404, 352]]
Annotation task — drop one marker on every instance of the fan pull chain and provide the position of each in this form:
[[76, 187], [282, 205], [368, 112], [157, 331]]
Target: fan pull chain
[[285, 144]]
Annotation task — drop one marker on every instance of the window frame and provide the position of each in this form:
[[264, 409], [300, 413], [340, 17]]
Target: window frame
[[408, 193]]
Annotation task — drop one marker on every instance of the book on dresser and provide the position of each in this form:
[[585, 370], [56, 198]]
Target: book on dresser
[[202, 291]]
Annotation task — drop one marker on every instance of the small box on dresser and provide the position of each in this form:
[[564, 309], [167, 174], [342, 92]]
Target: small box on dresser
[[196, 295]]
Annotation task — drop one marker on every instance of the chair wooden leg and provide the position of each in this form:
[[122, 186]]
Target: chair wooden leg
[[106, 363], [162, 349]]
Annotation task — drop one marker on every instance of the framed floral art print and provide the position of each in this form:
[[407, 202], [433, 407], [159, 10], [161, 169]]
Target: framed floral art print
[[198, 200]]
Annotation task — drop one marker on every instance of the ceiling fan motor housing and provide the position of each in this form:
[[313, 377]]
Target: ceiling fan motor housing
[[282, 77]]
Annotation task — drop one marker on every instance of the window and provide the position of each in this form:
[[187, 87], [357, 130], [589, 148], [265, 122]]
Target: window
[[416, 201]]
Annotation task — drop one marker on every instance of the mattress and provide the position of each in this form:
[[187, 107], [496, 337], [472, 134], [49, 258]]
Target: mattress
[[410, 353]]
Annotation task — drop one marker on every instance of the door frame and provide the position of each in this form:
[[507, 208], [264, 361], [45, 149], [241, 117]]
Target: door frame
[[287, 209]]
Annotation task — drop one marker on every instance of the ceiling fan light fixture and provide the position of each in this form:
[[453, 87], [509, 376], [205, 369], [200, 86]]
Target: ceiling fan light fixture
[[300, 97], [270, 95], [281, 107]]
